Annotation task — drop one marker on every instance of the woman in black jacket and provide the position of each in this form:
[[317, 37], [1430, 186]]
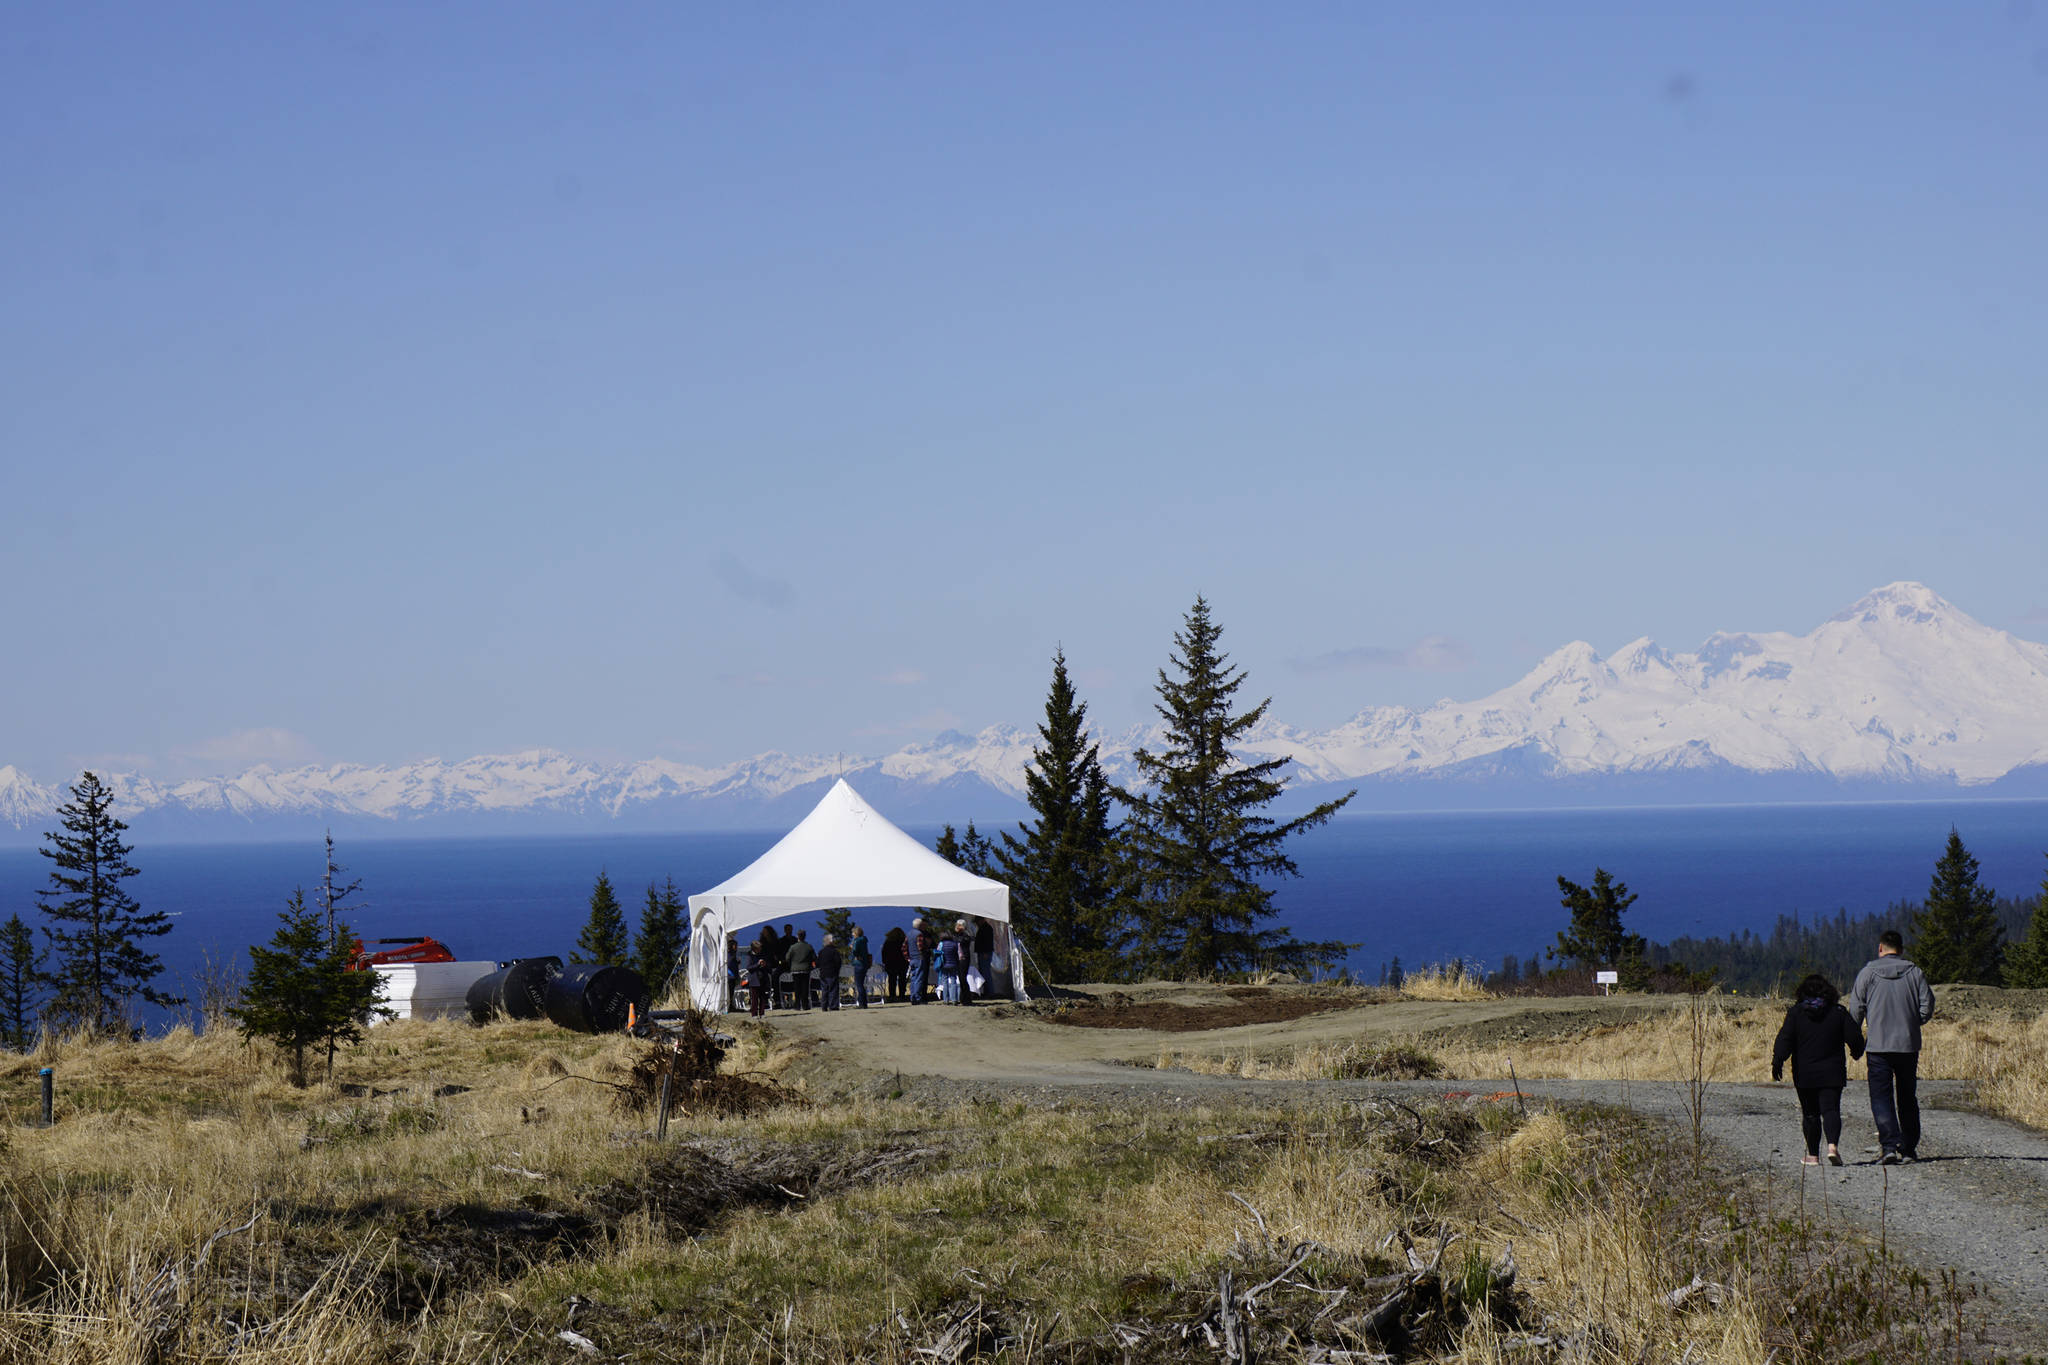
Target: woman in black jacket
[[1817, 1030], [896, 965]]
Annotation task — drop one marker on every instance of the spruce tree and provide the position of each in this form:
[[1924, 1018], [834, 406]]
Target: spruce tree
[[1060, 865], [603, 940], [1201, 855], [21, 985], [2026, 960], [1955, 936], [837, 922], [99, 930], [969, 852], [1595, 937], [658, 948], [333, 891], [300, 992]]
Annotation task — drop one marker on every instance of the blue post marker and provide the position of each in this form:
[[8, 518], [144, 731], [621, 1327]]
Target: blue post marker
[[49, 1075]]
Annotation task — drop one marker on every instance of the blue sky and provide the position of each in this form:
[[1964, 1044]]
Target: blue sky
[[690, 380]]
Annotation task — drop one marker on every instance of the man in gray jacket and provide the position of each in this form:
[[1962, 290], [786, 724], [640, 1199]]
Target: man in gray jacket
[[1892, 1000]]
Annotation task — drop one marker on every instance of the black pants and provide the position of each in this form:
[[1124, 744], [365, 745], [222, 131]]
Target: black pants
[[800, 989], [899, 982], [1820, 1108], [1895, 1099]]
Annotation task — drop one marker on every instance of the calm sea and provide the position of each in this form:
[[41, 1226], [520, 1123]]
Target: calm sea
[[1426, 888]]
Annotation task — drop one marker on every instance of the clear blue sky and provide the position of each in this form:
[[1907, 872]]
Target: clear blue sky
[[693, 380]]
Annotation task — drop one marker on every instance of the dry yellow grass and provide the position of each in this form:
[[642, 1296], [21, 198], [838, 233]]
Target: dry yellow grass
[[1448, 982], [160, 1145]]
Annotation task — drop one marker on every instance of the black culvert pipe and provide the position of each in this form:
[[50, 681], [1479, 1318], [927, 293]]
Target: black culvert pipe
[[517, 990], [592, 999]]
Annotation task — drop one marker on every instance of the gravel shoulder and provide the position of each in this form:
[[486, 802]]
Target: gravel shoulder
[[1977, 1203]]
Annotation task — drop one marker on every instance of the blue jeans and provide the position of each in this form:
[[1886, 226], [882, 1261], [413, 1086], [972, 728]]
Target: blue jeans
[[920, 973], [1895, 1099], [860, 987]]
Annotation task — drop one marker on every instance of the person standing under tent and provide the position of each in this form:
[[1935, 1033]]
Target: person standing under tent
[[762, 958], [949, 969], [860, 959], [732, 969], [923, 945], [896, 964], [784, 997], [963, 963], [984, 951], [830, 962], [797, 959]]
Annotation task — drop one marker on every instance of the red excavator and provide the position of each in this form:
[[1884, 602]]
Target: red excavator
[[421, 949]]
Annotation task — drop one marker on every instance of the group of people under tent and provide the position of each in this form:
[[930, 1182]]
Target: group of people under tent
[[931, 962], [1891, 998]]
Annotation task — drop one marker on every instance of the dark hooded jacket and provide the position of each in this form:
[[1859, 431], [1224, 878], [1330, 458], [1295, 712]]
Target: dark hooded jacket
[[1814, 1035]]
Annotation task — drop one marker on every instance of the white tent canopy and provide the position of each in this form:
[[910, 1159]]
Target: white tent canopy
[[845, 853]]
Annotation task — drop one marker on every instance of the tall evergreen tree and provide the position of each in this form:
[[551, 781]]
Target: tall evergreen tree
[[1060, 864], [658, 948], [969, 852], [603, 939], [333, 891], [837, 922], [1595, 937], [300, 992], [1201, 855], [99, 930], [21, 985], [1956, 934], [2026, 959]]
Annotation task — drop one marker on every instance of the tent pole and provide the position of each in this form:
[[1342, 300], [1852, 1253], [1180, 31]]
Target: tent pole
[[1044, 980]]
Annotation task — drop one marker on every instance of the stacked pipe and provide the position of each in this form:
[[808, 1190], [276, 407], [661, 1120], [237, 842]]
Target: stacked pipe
[[517, 990], [589, 998]]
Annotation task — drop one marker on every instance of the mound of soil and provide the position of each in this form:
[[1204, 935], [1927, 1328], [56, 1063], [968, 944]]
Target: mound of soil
[[1248, 1005]]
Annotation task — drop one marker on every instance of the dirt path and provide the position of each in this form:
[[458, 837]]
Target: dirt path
[[1977, 1203]]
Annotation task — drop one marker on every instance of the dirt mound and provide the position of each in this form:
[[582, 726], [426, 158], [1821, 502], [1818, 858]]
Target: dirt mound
[[1248, 1005]]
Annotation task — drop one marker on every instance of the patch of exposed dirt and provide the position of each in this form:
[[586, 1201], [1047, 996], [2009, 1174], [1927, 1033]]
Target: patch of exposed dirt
[[1248, 1005], [410, 1257]]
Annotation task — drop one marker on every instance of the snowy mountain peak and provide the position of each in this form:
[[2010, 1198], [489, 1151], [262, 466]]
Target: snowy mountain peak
[[1908, 602]]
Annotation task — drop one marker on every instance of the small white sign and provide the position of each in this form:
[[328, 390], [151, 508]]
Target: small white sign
[[1607, 978]]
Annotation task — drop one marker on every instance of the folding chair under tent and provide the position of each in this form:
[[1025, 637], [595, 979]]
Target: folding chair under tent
[[845, 853]]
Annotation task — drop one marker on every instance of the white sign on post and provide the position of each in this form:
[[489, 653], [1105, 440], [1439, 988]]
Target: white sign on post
[[1605, 979]]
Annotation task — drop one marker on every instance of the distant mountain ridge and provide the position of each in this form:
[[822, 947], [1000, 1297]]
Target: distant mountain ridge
[[1900, 695]]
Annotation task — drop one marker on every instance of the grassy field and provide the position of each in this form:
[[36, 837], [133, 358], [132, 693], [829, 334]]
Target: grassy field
[[469, 1194]]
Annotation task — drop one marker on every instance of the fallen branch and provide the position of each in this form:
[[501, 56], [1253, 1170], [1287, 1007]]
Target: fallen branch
[[1258, 1217], [1301, 1253]]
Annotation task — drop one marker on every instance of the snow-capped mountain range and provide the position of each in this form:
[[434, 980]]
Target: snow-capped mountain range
[[1900, 695]]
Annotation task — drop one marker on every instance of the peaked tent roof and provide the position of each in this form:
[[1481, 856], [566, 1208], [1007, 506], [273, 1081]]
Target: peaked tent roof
[[846, 853]]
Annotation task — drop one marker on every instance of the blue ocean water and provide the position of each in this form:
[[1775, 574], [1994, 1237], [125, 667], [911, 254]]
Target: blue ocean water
[[1425, 888]]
